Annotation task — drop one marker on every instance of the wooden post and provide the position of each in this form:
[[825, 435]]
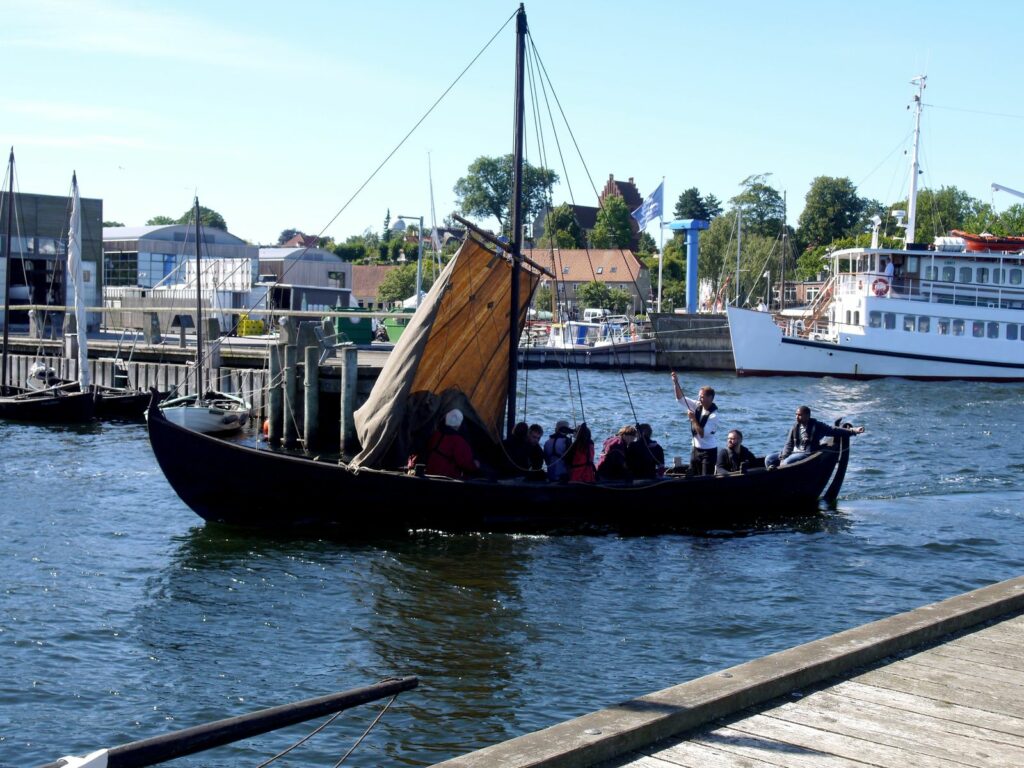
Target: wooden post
[[70, 337], [291, 393], [311, 420], [275, 407], [349, 382]]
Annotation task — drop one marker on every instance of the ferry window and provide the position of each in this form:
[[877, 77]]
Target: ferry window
[[943, 326], [993, 330], [998, 275], [909, 321], [1015, 275], [965, 275], [948, 273], [931, 273], [890, 320], [923, 324], [874, 319], [982, 273], [847, 317], [912, 264], [958, 327], [1011, 331], [977, 329], [856, 317]]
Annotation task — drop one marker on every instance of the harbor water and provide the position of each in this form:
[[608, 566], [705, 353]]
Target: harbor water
[[123, 616]]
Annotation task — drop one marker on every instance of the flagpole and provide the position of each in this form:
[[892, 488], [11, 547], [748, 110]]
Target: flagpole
[[661, 243]]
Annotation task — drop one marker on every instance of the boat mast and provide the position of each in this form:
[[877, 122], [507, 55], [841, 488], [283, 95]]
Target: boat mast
[[7, 269], [199, 310], [919, 81], [516, 222]]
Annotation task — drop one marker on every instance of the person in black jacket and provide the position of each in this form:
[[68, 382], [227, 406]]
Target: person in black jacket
[[805, 438], [645, 457], [734, 455]]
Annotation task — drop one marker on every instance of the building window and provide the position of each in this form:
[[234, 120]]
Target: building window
[[121, 268], [600, 270]]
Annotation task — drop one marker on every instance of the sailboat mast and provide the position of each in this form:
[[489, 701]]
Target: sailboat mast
[[7, 269], [199, 310], [516, 221]]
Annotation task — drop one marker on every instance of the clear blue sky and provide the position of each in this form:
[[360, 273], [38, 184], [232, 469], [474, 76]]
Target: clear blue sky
[[275, 113]]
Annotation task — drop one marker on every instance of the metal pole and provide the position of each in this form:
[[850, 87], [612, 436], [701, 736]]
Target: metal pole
[[419, 267], [7, 271], [199, 311]]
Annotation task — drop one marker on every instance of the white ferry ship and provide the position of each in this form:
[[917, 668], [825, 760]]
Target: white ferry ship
[[950, 310]]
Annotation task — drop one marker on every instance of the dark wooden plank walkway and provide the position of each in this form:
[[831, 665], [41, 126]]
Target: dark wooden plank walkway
[[942, 685]]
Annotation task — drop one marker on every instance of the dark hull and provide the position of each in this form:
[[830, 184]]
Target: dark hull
[[125, 404], [228, 483], [48, 407]]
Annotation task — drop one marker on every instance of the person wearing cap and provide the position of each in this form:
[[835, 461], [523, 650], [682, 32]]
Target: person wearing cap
[[448, 452], [555, 449]]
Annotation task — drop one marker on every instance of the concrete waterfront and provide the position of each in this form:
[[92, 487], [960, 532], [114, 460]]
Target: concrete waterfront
[[954, 695]]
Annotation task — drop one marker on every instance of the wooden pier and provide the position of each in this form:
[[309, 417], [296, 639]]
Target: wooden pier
[[939, 686]]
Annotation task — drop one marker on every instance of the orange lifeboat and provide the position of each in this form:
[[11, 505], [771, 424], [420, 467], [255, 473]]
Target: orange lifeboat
[[985, 242]]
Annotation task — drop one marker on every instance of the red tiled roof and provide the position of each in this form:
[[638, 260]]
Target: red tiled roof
[[605, 265], [366, 279]]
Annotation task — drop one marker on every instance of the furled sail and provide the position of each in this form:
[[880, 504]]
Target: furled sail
[[78, 284], [453, 353]]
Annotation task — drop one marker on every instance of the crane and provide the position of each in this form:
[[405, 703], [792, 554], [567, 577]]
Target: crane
[[1001, 188]]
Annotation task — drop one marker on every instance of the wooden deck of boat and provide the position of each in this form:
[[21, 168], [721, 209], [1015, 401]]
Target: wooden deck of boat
[[939, 686]]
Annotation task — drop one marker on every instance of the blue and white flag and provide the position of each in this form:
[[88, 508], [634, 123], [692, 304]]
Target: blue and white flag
[[651, 208]]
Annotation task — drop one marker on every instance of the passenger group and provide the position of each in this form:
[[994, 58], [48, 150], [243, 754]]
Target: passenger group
[[632, 453]]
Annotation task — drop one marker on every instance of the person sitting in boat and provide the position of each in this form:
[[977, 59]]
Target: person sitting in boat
[[735, 455], [448, 452], [703, 416], [555, 449], [523, 455], [805, 438], [579, 459], [645, 457], [614, 462]]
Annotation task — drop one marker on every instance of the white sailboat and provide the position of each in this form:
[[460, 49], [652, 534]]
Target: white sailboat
[[206, 410], [947, 310]]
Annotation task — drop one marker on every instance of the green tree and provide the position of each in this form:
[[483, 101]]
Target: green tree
[[160, 221], [691, 205], [542, 298], [400, 283], [561, 230], [112, 224], [288, 234], [762, 206], [486, 190], [386, 236], [613, 228], [832, 210], [620, 300], [646, 245], [1009, 222], [939, 211], [207, 216], [594, 294]]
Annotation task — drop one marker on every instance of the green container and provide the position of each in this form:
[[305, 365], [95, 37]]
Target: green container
[[358, 330], [395, 325]]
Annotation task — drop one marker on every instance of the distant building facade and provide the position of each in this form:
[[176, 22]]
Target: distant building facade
[[615, 267], [586, 215], [39, 243]]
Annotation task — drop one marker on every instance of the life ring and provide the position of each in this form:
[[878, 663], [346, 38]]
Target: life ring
[[880, 286]]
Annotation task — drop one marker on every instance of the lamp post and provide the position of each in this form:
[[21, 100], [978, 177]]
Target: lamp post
[[419, 253]]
